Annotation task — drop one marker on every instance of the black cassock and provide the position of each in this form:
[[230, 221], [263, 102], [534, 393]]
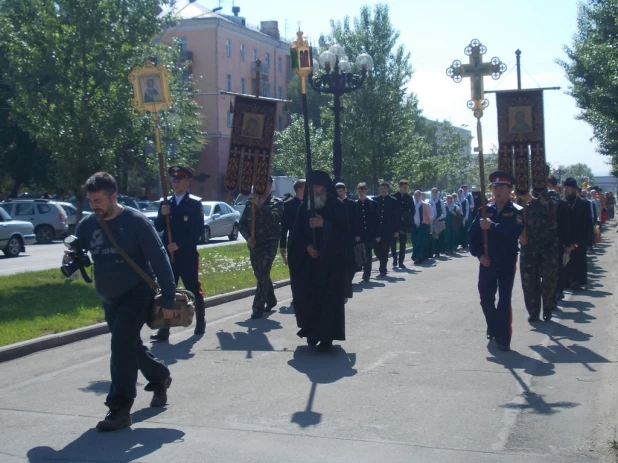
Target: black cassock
[[320, 286]]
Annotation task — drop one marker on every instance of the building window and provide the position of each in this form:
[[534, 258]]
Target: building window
[[230, 118], [280, 94], [243, 86], [280, 124], [266, 90], [267, 61], [228, 81], [280, 64], [254, 55], [242, 53], [228, 48]]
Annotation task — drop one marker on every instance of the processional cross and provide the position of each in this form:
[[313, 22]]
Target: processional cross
[[476, 70]]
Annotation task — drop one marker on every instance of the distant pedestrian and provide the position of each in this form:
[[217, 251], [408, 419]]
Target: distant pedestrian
[[405, 204], [421, 234]]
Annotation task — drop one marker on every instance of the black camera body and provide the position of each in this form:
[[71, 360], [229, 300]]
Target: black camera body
[[79, 258]]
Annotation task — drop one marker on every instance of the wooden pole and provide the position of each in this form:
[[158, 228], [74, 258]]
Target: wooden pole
[[168, 226], [479, 136], [258, 68]]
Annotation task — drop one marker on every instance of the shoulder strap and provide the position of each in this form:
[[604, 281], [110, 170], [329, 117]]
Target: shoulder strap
[[127, 258]]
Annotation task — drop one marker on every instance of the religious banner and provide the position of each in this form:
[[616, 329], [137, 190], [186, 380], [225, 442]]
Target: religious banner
[[251, 143], [521, 138]]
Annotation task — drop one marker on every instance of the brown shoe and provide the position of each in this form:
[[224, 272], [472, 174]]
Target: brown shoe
[[116, 419], [159, 398]]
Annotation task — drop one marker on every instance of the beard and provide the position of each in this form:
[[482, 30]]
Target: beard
[[103, 213], [319, 201]]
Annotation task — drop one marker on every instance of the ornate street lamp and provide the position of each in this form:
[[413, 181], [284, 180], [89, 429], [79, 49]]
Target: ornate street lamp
[[337, 79]]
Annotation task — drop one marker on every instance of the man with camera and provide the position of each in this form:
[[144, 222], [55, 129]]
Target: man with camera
[[127, 299]]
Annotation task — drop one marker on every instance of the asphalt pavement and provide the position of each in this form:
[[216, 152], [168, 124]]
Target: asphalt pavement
[[416, 381], [47, 256]]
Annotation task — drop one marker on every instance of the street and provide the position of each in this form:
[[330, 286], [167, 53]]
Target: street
[[416, 381], [46, 256]]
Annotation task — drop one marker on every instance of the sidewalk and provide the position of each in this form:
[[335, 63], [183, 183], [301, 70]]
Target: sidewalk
[[414, 382]]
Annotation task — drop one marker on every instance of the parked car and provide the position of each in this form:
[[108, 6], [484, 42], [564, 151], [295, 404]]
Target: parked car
[[144, 205], [71, 212], [123, 200], [48, 217], [219, 220], [15, 235], [240, 202]]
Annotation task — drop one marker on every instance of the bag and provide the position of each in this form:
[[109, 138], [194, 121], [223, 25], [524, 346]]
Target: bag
[[184, 307], [360, 255], [438, 227]]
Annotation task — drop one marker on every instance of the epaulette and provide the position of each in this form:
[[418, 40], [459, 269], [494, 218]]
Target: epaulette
[[197, 198]]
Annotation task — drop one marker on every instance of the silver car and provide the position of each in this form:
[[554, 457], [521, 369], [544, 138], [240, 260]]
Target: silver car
[[48, 217], [219, 220], [71, 212], [15, 235]]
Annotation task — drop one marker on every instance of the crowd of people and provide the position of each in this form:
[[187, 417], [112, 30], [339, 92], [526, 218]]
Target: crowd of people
[[326, 238]]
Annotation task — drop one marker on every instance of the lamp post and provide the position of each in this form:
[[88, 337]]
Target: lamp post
[[338, 79]]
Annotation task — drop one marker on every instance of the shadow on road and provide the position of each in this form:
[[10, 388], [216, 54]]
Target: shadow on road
[[253, 340], [125, 445], [320, 368], [172, 353]]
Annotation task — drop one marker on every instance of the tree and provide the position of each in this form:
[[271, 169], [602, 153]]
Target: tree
[[379, 120], [67, 65], [291, 154], [591, 70], [579, 172]]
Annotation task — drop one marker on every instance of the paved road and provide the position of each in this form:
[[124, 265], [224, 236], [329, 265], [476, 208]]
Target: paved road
[[46, 256], [416, 381]]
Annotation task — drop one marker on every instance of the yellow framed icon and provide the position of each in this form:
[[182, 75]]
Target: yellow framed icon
[[151, 90]]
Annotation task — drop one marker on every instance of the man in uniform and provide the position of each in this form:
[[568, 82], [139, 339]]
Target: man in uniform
[[263, 246], [388, 223], [504, 224], [187, 225], [350, 207], [366, 226], [290, 209], [539, 255], [405, 209]]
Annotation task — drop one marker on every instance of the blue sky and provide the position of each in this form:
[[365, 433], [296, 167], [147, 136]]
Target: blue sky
[[436, 32]]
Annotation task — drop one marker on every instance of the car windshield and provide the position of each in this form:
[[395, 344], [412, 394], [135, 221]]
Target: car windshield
[[207, 209], [5, 215], [154, 207]]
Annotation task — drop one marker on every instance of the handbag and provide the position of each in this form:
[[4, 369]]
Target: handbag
[[360, 255], [184, 305]]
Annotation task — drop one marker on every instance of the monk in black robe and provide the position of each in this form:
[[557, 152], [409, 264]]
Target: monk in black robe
[[319, 269]]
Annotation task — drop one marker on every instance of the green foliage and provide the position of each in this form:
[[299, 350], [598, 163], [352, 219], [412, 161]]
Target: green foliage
[[67, 62], [591, 69], [291, 154]]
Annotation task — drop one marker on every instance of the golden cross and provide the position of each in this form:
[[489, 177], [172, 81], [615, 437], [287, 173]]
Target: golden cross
[[476, 71]]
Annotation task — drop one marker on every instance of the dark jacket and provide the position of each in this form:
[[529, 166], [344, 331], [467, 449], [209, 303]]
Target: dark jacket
[[405, 205], [366, 221], [290, 209], [350, 207], [388, 215], [579, 218], [186, 222], [503, 236]]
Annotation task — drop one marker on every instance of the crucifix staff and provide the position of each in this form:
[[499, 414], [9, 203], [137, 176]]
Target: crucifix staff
[[476, 70]]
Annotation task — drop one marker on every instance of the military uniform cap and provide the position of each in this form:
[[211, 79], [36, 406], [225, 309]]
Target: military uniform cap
[[339, 185], [500, 177], [180, 172]]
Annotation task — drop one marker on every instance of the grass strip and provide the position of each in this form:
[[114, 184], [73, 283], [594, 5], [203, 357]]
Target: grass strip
[[35, 304]]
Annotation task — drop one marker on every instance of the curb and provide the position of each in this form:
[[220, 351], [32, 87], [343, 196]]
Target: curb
[[21, 349]]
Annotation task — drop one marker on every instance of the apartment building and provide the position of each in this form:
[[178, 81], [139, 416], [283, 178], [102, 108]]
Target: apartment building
[[223, 50]]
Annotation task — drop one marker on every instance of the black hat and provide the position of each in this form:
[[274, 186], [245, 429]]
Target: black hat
[[180, 172], [340, 185], [319, 177], [570, 182], [500, 177]]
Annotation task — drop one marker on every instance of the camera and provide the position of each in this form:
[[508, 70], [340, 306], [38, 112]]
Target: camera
[[79, 258]]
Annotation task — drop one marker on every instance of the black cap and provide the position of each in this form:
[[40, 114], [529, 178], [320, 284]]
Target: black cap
[[499, 177], [340, 185], [180, 172], [570, 182]]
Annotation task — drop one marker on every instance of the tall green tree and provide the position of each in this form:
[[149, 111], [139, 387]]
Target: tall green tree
[[579, 172], [379, 120], [591, 66], [67, 64]]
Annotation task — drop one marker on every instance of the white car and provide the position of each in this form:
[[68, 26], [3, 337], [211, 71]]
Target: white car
[[15, 235], [219, 220], [71, 212]]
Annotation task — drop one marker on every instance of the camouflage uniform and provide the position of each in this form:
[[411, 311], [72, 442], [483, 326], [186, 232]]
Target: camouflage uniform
[[267, 236], [539, 258]]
